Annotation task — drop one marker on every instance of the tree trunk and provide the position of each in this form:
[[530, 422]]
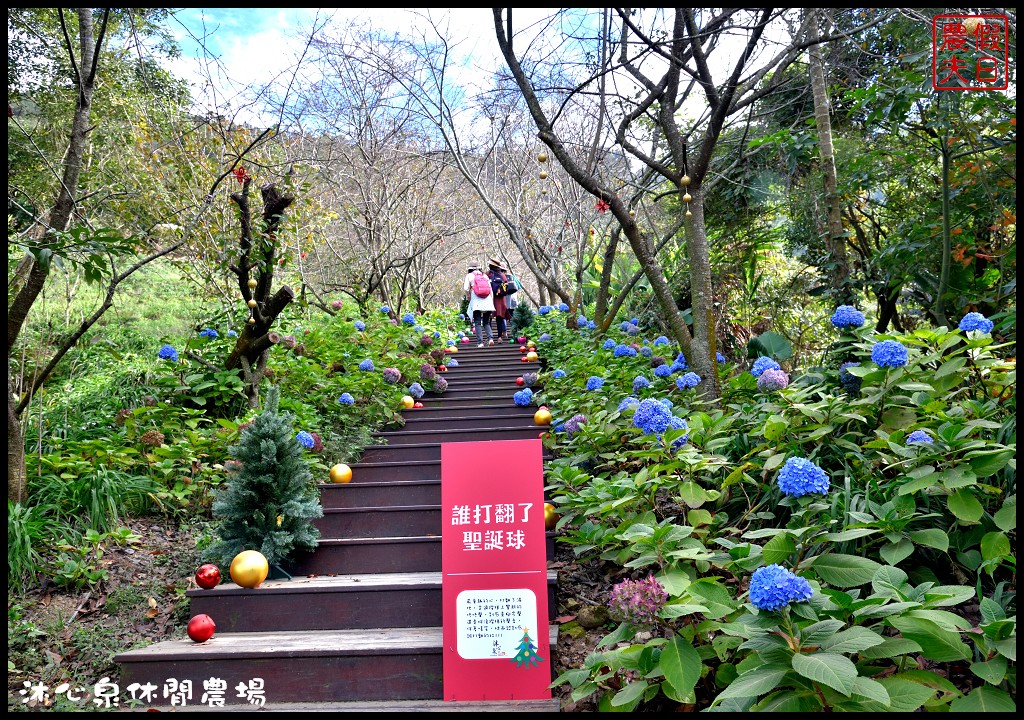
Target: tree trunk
[[60, 215], [835, 237], [699, 356]]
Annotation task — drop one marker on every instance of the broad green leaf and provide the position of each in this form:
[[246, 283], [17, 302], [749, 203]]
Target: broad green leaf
[[936, 643], [990, 463], [789, 701], [944, 619], [932, 537], [697, 518], [894, 553], [629, 694], [920, 483], [965, 506], [845, 570], [717, 598], [904, 696], [1006, 517], [984, 699], [1007, 647], [852, 640], [992, 671], [991, 611], [950, 366], [836, 671], [774, 461], [890, 582], [775, 428], [898, 417], [682, 609], [851, 534], [994, 545], [755, 682], [692, 494], [956, 478], [814, 634], [872, 690], [682, 667], [916, 387], [779, 548], [891, 647], [946, 595]]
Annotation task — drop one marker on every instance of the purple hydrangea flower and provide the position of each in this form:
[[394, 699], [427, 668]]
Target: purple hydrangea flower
[[563, 307], [638, 602], [919, 437], [799, 477], [305, 439], [572, 425], [453, 363], [427, 372], [391, 375], [773, 587], [624, 351], [977, 322], [416, 390], [594, 382], [847, 316], [652, 417], [544, 337], [530, 379], [385, 309], [772, 380], [624, 325], [232, 333], [346, 399], [581, 321], [523, 398], [889, 353], [763, 363], [167, 352], [719, 357], [633, 329], [646, 351], [366, 365], [689, 380], [440, 385], [677, 423], [666, 402]]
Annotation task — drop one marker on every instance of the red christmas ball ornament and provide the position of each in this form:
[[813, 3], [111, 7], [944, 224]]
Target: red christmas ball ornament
[[522, 348], [201, 628], [523, 359], [520, 382], [208, 576], [418, 405]]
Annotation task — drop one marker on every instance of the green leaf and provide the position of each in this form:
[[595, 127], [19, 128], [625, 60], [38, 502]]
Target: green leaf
[[845, 570], [836, 671], [851, 534], [897, 418], [936, 643], [717, 598], [788, 701], [852, 640], [872, 690], [916, 387], [629, 694], [779, 548], [992, 671], [932, 537], [894, 553], [692, 494], [904, 696], [755, 682], [984, 699], [814, 634], [990, 463], [775, 345], [991, 611], [918, 483], [994, 545], [891, 647], [773, 462], [965, 506], [950, 366], [775, 428], [945, 595], [1006, 517], [681, 666]]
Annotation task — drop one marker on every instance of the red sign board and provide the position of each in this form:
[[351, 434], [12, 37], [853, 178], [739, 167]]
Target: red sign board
[[970, 52], [494, 571]]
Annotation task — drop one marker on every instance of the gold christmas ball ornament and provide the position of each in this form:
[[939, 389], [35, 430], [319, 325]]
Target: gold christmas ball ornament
[[408, 401], [532, 356], [687, 197], [543, 175], [550, 516], [542, 157], [251, 321], [686, 180], [689, 214], [341, 473], [542, 417], [249, 569], [251, 303], [972, 24], [252, 283], [543, 191]]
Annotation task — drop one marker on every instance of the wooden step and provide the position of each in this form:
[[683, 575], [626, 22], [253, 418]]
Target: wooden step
[[370, 521], [430, 452], [469, 421], [322, 666], [367, 493], [469, 409], [393, 472], [524, 430], [330, 602]]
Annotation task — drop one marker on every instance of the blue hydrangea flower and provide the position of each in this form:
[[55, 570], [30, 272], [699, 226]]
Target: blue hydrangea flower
[[677, 366], [409, 319], [437, 334], [800, 476], [660, 340], [544, 337], [167, 352], [453, 363], [666, 402], [524, 397], [544, 309], [346, 399], [639, 383], [624, 351], [558, 374], [628, 403], [663, 371], [594, 382], [773, 587], [232, 333], [450, 343], [563, 307], [608, 344], [581, 321], [919, 437], [360, 325], [646, 351], [977, 322], [416, 390], [305, 439], [624, 326], [763, 363], [634, 321], [851, 383], [559, 428], [572, 425], [366, 365], [847, 316], [889, 353], [719, 357], [773, 380], [208, 333], [591, 324], [385, 309], [677, 423], [652, 417], [689, 380], [418, 328]]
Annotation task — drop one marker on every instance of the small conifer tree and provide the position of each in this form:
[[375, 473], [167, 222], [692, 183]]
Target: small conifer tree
[[270, 498], [522, 317]]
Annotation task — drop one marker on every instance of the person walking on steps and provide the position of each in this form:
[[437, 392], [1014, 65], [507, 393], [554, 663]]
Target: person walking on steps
[[498, 275], [481, 302]]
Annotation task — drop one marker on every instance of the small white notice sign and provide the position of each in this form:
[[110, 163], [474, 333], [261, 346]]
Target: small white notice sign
[[491, 623]]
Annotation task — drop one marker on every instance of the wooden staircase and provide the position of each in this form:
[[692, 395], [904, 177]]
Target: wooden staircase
[[358, 627]]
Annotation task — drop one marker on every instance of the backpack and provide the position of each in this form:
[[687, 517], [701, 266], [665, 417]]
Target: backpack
[[481, 285], [501, 285]]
